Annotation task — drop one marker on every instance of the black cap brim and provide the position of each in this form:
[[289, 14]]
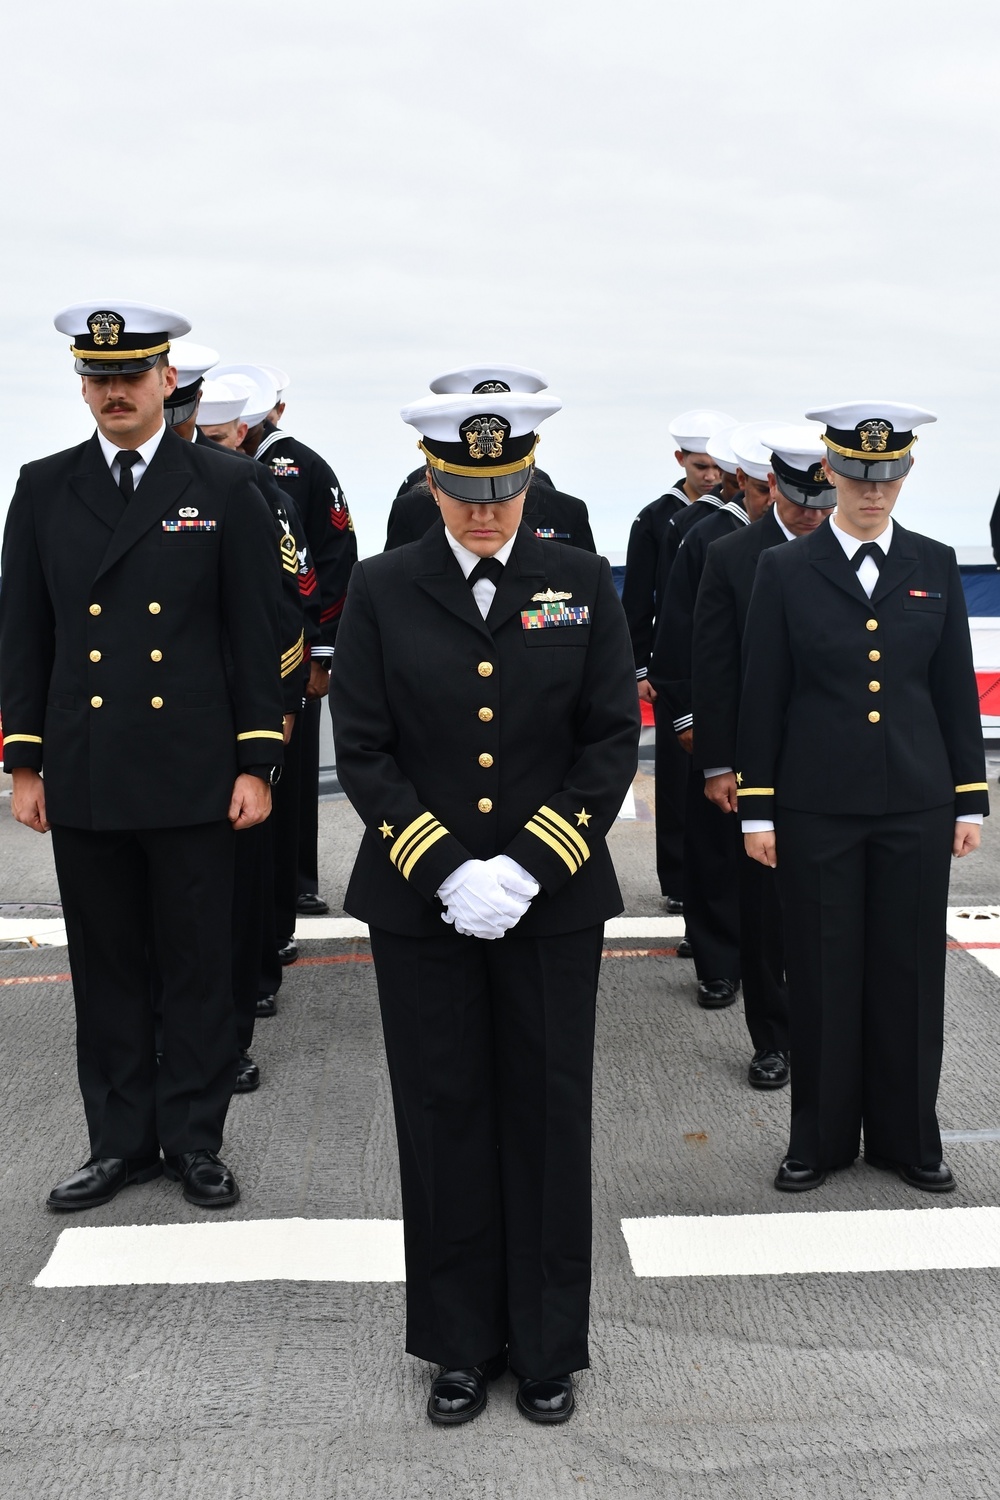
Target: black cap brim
[[115, 366], [482, 489], [877, 471], [808, 497]]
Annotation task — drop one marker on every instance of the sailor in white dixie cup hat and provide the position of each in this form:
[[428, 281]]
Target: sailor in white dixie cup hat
[[192, 362], [861, 771], [486, 726]]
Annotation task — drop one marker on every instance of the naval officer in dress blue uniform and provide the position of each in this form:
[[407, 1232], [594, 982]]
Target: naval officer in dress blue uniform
[[487, 731], [861, 772]]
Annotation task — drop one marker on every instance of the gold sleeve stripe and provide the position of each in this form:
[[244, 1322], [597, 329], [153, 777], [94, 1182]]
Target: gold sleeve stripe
[[261, 734], [755, 791], [288, 667], [297, 647], [437, 832], [559, 825], [970, 786], [410, 835], [36, 739], [572, 864]]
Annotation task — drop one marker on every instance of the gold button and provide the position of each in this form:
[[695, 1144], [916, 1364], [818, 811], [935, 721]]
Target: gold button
[[874, 687], [156, 656], [154, 608], [874, 656], [156, 702], [96, 702], [486, 669], [95, 609], [871, 624], [485, 805], [95, 656], [485, 759], [873, 717], [486, 714]]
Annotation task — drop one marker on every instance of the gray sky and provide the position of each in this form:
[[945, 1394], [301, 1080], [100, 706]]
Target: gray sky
[[752, 206]]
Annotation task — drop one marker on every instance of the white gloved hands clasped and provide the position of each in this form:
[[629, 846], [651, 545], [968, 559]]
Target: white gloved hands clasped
[[485, 898]]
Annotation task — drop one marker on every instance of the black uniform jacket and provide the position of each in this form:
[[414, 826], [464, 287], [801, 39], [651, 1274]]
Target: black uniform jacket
[[460, 738], [719, 619], [670, 663], [550, 514], [308, 480], [639, 589], [853, 705], [138, 660]]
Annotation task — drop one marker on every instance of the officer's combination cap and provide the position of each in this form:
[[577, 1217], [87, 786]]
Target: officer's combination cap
[[118, 337], [870, 439], [487, 380], [797, 463], [261, 391], [692, 429], [221, 402], [481, 447], [192, 363]]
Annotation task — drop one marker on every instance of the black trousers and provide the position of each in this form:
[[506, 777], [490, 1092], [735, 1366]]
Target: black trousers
[[285, 834], [490, 1047], [864, 902], [711, 884], [762, 952], [156, 902], [671, 768], [308, 880], [254, 941]]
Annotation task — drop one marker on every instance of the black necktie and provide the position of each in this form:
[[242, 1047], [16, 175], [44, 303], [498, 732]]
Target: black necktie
[[486, 567], [867, 549], [126, 458]]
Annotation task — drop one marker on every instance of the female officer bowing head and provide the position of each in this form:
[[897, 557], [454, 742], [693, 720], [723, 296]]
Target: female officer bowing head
[[861, 771], [483, 694]]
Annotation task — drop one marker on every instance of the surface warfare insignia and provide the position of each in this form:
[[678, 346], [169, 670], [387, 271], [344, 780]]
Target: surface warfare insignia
[[874, 435], [188, 512], [549, 597], [105, 328], [551, 615], [485, 436]]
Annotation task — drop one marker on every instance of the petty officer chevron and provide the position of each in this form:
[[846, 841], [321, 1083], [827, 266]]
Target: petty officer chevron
[[139, 674], [487, 729], [860, 772]]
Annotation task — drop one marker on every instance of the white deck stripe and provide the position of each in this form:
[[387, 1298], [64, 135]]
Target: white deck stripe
[[808, 1243], [254, 1250]]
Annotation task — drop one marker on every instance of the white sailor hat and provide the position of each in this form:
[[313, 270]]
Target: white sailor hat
[[479, 380], [118, 337], [262, 393], [692, 429], [481, 447], [281, 378], [221, 402], [752, 455], [797, 464], [718, 448], [870, 439], [192, 362]]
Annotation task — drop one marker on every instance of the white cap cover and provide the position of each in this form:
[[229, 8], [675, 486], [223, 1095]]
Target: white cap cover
[[718, 448], [260, 389], [220, 402], [191, 361], [281, 378], [488, 379], [753, 455], [692, 429]]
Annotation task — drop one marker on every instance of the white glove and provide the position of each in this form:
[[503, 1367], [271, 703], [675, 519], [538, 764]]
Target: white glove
[[476, 902], [514, 878]]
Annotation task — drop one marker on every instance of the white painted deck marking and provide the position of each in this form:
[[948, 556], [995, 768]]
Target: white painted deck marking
[[974, 925], [618, 927], [247, 1250], [904, 1239], [628, 807]]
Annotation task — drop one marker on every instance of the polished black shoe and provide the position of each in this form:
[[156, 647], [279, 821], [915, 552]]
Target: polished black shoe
[[768, 1069], [289, 951], [716, 994], [100, 1179], [795, 1177], [311, 905], [207, 1181], [247, 1074], [459, 1395], [267, 1005], [684, 949], [546, 1400], [673, 904], [937, 1179]]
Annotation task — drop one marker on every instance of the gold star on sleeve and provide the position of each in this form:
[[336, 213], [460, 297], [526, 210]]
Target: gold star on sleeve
[[583, 818], [739, 778], [386, 829]]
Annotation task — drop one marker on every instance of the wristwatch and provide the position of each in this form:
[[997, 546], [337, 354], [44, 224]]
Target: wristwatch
[[270, 774]]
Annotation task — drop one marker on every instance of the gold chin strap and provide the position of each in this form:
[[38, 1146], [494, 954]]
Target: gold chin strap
[[868, 458], [118, 355], [490, 473]]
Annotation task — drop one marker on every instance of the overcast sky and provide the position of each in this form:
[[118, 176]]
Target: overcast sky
[[753, 206]]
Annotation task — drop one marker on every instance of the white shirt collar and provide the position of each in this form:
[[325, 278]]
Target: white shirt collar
[[111, 451], [789, 535], [467, 560], [851, 544]]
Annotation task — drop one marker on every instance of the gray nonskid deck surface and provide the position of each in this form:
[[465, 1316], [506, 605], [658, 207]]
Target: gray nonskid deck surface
[[880, 1385]]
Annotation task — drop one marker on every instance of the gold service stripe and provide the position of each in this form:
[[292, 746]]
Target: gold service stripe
[[566, 829], [755, 791], [409, 835], [571, 862], [970, 786], [31, 739], [438, 832], [261, 734]]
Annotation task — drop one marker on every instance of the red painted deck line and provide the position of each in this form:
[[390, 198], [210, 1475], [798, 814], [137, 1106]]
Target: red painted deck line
[[37, 979]]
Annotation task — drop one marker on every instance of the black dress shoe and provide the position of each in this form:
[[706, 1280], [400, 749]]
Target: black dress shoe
[[546, 1400], [716, 994], [100, 1179], [207, 1181], [937, 1179], [673, 904], [684, 949], [267, 1005], [311, 905], [247, 1074], [289, 951], [459, 1395], [795, 1177], [768, 1069]]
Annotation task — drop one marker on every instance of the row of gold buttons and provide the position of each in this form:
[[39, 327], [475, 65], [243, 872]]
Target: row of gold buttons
[[97, 702], [154, 609], [873, 686]]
